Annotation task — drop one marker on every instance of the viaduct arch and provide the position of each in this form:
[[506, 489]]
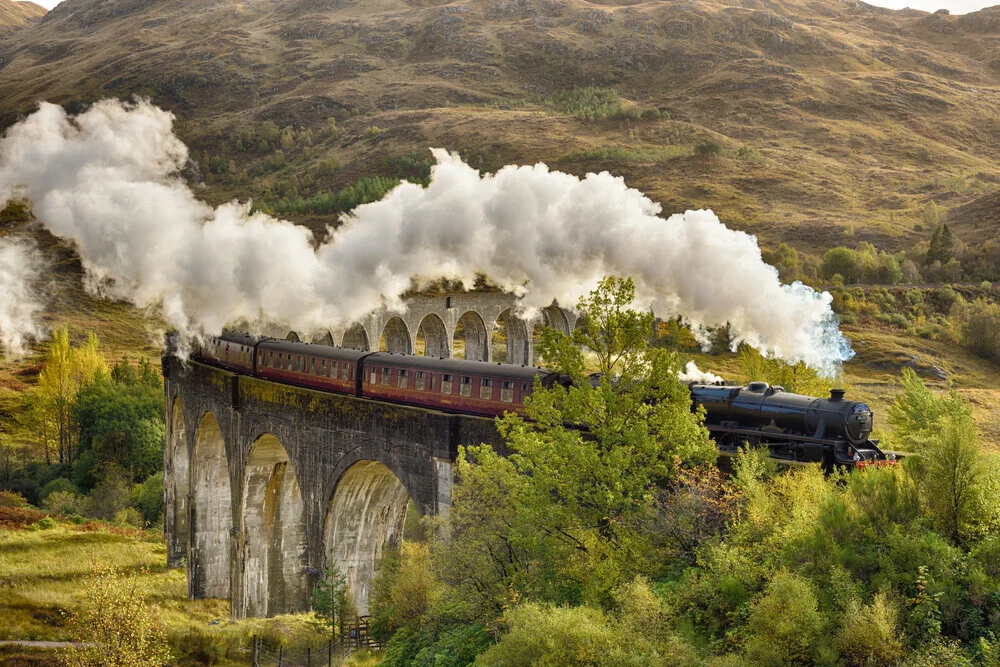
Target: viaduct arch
[[280, 481]]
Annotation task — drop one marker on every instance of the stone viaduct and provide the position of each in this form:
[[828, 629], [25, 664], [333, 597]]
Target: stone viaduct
[[266, 484], [486, 325]]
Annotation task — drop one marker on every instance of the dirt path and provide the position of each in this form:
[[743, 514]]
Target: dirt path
[[38, 644]]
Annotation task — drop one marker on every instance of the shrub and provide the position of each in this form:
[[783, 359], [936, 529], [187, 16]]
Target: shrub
[[785, 623], [708, 148], [62, 502], [372, 131], [870, 634], [48, 523], [59, 484], [12, 499], [148, 498], [841, 261], [116, 620], [128, 518]]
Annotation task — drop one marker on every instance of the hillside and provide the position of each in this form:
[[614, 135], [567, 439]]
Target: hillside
[[15, 15], [849, 117]]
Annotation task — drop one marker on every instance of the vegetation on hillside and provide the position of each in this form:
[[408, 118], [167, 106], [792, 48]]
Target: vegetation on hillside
[[554, 554], [92, 437]]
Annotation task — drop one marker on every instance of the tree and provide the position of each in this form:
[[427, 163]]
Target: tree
[[332, 601], [931, 217], [121, 419], [942, 245], [66, 370], [561, 517], [841, 261], [116, 626], [951, 468]]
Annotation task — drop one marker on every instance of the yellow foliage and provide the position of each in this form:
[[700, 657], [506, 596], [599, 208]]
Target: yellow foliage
[[116, 627]]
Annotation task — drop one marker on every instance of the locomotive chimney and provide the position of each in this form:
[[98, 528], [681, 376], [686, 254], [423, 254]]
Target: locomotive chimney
[[836, 395]]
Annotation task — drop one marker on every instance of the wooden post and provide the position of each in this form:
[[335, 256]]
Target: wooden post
[[253, 651], [309, 660], [281, 651]]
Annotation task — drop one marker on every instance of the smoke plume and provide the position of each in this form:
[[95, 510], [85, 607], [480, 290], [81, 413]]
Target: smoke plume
[[108, 180], [20, 305], [692, 373]]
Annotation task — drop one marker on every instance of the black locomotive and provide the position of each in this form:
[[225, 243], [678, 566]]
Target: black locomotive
[[794, 427]]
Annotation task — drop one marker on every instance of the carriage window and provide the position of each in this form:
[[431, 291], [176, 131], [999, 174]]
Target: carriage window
[[374, 376], [298, 364], [347, 372], [270, 359], [403, 382], [312, 365], [288, 362], [486, 389], [507, 392], [465, 388], [421, 381], [386, 375], [445, 384], [525, 392]]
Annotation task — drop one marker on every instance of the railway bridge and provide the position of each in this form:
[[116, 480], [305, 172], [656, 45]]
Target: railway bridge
[[266, 483]]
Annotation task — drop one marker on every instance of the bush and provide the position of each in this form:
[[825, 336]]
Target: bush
[[62, 502], [870, 634], [12, 499], [59, 484], [148, 497], [48, 523], [111, 495], [785, 623], [708, 148], [128, 518], [116, 620], [562, 636]]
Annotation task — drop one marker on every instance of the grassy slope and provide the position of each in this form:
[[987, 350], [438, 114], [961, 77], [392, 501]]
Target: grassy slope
[[42, 572], [861, 114], [16, 15]]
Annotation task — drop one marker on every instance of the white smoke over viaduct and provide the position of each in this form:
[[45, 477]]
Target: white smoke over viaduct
[[108, 180]]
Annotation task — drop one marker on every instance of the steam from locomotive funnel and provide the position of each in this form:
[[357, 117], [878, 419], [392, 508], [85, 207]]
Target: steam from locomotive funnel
[[108, 180]]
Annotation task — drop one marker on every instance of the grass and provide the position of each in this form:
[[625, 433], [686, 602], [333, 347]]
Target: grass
[[640, 155], [41, 572]]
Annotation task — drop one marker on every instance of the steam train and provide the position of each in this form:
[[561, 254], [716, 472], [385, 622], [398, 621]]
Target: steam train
[[796, 428]]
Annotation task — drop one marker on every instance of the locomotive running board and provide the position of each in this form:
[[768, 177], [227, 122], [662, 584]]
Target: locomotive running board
[[758, 433]]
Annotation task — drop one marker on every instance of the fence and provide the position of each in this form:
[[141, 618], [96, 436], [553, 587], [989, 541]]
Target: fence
[[326, 654]]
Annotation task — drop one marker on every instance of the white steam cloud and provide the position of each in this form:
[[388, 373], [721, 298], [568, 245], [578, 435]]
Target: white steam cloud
[[108, 180], [20, 305], [692, 373]]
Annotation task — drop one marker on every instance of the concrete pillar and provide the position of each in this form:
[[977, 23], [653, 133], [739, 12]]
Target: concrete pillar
[[177, 488], [275, 558], [211, 513]]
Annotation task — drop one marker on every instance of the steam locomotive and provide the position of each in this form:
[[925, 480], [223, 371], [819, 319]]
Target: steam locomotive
[[832, 431]]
